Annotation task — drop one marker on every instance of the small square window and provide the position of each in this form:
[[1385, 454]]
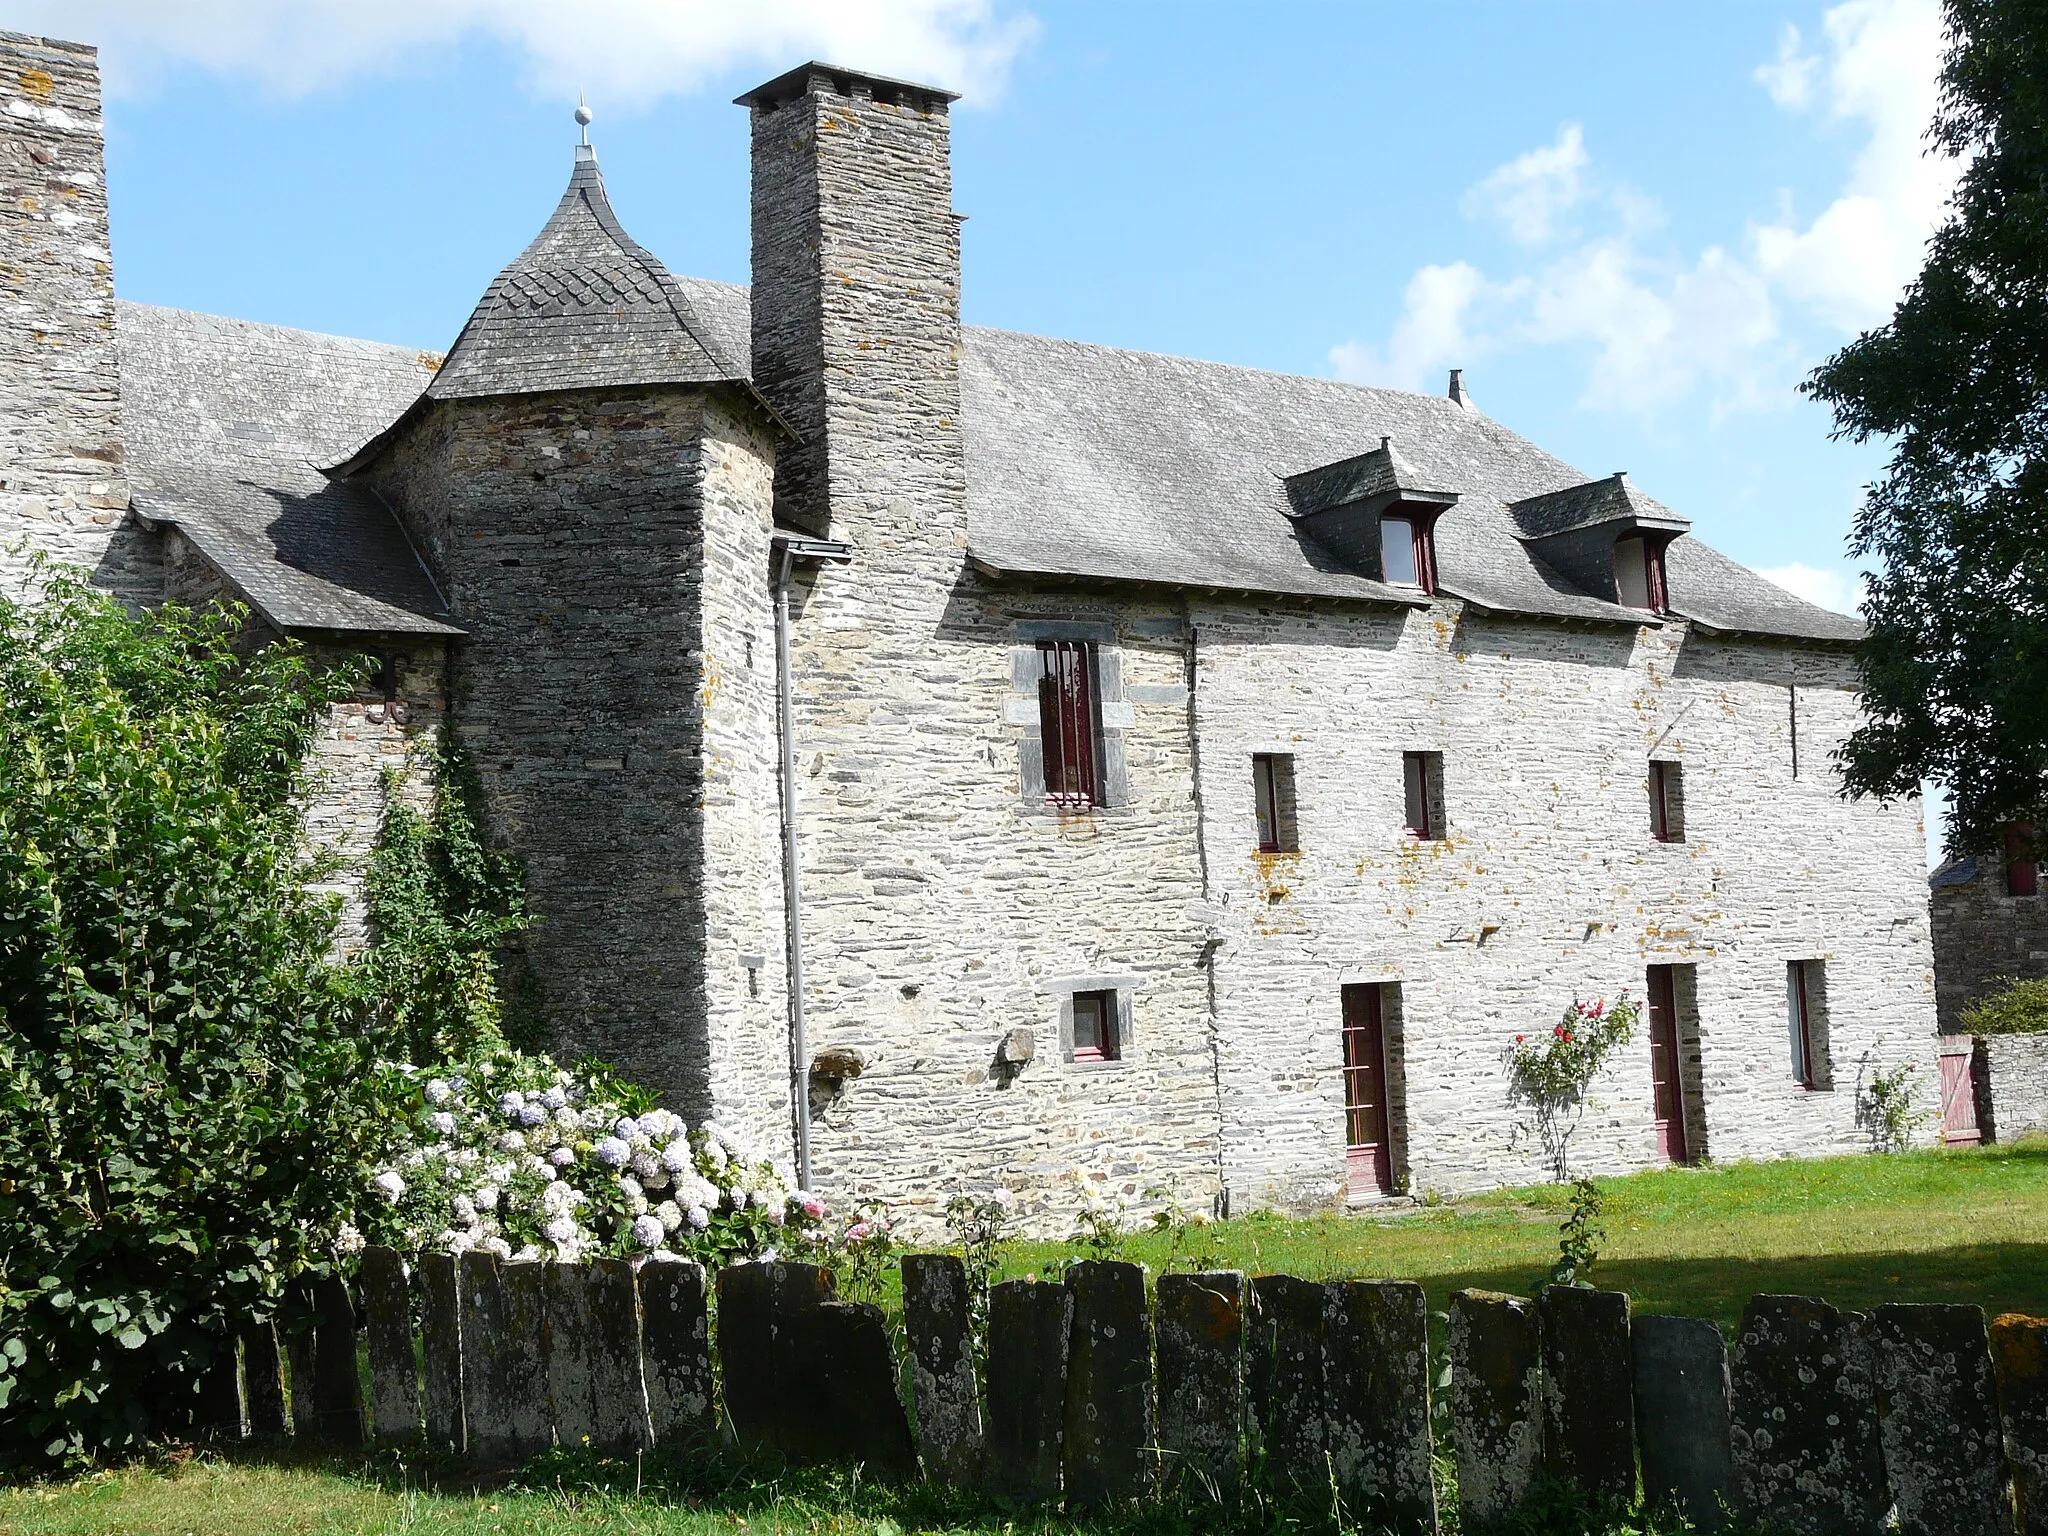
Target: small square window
[[1095, 1027], [1273, 801], [1806, 1014], [2022, 870], [1667, 802], [1422, 784]]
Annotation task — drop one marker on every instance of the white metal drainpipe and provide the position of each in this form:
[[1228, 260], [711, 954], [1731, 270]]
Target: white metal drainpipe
[[789, 550]]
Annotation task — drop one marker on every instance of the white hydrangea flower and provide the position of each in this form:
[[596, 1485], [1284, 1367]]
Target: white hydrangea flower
[[348, 1242], [413, 1159], [511, 1103], [563, 1157], [438, 1092], [676, 1157], [628, 1185], [669, 1214], [540, 1167], [496, 1245], [461, 1242], [532, 1114], [739, 1199], [645, 1164], [569, 1119], [560, 1229], [457, 1083], [648, 1231], [487, 1069], [511, 1141], [698, 1217], [613, 1152], [637, 1204], [464, 1210], [714, 1154], [625, 1127], [557, 1198], [555, 1098], [389, 1184], [528, 1252], [442, 1122], [594, 1119]]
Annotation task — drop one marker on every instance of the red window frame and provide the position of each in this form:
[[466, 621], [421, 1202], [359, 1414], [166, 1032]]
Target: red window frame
[[2022, 873], [1368, 1096], [1661, 774], [1800, 998], [1103, 1043], [1422, 538], [1653, 572], [1069, 724], [1266, 800], [1418, 786]]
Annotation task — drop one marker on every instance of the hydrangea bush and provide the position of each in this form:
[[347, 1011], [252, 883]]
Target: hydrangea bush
[[517, 1156]]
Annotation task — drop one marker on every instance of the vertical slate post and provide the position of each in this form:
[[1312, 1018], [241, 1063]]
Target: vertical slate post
[[487, 1402], [337, 1388], [620, 1395], [794, 1292], [746, 1355], [1588, 1409], [297, 1324], [845, 1407], [1201, 1378], [1681, 1395], [1109, 1385], [523, 1357], [263, 1371], [2019, 1351], [936, 1322], [387, 1329], [219, 1411], [1290, 1315], [1496, 1402], [1937, 1400], [441, 1352], [1803, 1418], [675, 1355], [1376, 1402], [1028, 1329]]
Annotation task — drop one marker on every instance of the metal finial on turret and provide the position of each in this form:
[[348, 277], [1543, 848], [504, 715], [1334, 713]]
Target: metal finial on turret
[[583, 116]]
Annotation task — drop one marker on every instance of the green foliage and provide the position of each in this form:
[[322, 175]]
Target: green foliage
[[979, 1226], [1955, 671], [441, 907], [2016, 1008], [1552, 1073], [1888, 1104], [1580, 1236], [181, 1114]]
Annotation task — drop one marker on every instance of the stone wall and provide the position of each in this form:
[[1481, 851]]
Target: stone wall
[[63, 490], [614, 692], [2017, 1085], [1982, 935]]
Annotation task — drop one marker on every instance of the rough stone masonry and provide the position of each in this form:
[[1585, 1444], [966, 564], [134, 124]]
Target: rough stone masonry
[[1202, 775]]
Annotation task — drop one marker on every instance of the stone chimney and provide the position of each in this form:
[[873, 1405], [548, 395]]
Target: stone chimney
[[856, 299], [1457, 390], [62, 483]]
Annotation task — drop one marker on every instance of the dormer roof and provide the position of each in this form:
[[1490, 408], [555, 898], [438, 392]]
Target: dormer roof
[[583, 307], [1374, 482], [1591, 504]]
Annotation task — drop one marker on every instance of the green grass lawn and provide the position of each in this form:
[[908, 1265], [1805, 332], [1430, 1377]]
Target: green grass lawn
[[1968, 1226]]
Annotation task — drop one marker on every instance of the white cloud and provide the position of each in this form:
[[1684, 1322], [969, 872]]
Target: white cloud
[[1789, 77], [1532, 193], [623, 51], [1431, 332], [1837, 587]]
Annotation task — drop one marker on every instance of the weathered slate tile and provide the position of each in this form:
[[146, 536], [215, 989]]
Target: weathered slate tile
[[1376, 1402], [1588, 1414], [1290, 1318], [1803, 1420], [530, 1425], [619, 1408], [2019, 1352], [1028, 1327], [1109, 1431], [675, 1356], [746, 1355], [1681, 1396], [1937, 1417], [387, 1330], [847, 1410], [337, 1387], [263, 1379], [487, 1401], [795, 1291], [1496, 1403], [440, 1351], [1201, 1378], [936, 1321]]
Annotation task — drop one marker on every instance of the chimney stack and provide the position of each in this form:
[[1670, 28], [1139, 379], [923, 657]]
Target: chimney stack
[[1457, 390], [856, 299]]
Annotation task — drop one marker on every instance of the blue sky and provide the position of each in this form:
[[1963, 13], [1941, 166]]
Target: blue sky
[[1636, 226]]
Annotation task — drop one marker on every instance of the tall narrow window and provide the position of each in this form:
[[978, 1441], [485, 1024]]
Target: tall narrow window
[[2022, 870], [1667, 802], [1273, 801], [1095, 1031], [1068, 723], [1805, 1013], [1639, 573], [1408, 552], [1422, 785], [1368, 1128], [1667, 1082]]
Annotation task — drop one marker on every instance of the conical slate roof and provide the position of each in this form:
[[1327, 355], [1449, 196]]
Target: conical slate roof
[[583, 307]]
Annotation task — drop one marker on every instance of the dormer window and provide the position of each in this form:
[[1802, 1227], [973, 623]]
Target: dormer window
[[1639, 573], [1407, 552]]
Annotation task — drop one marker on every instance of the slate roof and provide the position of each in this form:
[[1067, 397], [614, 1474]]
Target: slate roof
[[225, 422], [583, 307], [1614, 499], [1082, 461], [1381, 475]]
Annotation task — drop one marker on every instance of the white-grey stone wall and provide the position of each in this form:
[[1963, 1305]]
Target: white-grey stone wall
[[63, 489], [2017, 1087]]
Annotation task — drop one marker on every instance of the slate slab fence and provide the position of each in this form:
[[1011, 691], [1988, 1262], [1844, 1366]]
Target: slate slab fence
[[1094, 1392]]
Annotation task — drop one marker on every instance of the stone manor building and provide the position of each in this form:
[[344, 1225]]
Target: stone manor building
[[1199, 776]]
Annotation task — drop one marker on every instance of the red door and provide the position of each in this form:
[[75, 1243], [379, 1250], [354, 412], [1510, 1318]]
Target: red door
[[1959, 1126], [1366, 1133], [1664, 1065]]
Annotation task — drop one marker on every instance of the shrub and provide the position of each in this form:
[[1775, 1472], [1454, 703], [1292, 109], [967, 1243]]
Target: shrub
[[182, 1073], [1552, 1072], [2016, 1008]]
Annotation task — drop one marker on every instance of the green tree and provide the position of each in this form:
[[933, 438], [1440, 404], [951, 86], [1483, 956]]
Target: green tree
[[184, 1113], [1955, 671]]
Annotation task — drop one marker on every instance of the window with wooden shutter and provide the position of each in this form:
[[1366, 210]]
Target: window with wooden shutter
[[1422, 792], [1095, 1027], [1667, 802], [1805, 1006], [1069, 720], [1273, 801], [2022, 870], [1639, 573]]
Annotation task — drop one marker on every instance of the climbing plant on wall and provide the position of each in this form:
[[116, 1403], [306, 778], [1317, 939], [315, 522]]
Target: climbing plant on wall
[[1552, 1073]]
